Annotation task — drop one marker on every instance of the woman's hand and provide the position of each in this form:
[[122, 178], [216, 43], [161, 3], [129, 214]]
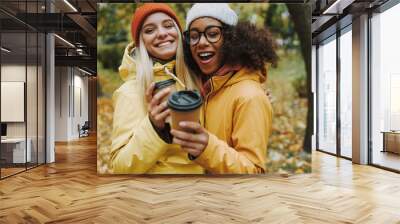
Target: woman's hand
[[158, 111], [193, 139]]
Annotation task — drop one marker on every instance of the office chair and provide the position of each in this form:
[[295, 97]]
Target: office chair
[[84, 130]]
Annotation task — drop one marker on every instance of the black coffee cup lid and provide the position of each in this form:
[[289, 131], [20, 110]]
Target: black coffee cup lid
[[185, 100], [165, 83]]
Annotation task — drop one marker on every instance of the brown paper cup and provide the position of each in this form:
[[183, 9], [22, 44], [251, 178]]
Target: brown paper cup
[[178, 116], [185, 106], [170, 83]]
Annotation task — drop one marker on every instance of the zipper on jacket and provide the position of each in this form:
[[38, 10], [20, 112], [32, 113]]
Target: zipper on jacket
[[212, 92]]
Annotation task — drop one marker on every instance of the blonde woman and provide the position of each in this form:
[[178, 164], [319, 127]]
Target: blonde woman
[[140, 137]]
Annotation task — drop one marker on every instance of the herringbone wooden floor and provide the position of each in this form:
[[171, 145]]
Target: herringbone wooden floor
[[70, 191]]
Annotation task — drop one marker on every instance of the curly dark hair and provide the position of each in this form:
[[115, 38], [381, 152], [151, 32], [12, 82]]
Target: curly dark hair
[[244, 44]]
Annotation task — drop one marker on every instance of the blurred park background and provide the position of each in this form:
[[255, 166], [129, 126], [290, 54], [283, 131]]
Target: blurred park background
[[287, 83]]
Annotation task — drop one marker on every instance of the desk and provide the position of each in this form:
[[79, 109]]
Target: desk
[[391, 141], [16, 148]]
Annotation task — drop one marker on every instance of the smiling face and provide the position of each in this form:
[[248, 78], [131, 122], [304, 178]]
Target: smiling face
[[207, 55], [160, 36]]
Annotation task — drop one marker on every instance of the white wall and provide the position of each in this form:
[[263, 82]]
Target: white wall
[[71, 94], [16, 73], [33, 126], [61, 103], [13, 72], [80, 110]]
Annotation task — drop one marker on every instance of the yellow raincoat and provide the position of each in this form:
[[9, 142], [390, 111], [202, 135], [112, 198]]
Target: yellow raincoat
[[238, 113], [136, 147]]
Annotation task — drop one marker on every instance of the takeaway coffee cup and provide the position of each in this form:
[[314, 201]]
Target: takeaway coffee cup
[[170, 83], [185, 106], [164, 84]]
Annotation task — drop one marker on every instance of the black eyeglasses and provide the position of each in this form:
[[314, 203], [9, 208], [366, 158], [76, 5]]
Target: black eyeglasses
[[212, 33]]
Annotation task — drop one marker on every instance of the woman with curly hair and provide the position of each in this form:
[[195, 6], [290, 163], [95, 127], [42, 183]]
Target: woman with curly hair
[[229, 59]]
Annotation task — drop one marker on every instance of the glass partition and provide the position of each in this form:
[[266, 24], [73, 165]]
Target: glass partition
[[346, 93], [385, 89], [22, 89], [14, 153], [327, 95]]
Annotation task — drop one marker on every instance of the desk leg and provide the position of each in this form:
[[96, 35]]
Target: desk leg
[[384, 142]]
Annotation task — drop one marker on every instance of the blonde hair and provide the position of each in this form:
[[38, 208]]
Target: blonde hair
[[144, 66], [181, 69]]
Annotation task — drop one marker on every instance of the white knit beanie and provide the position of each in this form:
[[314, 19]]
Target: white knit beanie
[[219, 11]]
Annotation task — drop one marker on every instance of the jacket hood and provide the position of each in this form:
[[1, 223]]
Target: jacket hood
[[220, 81], [127, 69]]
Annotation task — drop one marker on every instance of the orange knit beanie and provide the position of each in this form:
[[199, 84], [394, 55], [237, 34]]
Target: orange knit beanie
[[144, 11]]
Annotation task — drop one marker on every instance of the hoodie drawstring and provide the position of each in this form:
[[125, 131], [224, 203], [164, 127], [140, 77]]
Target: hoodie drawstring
[[174, 77]]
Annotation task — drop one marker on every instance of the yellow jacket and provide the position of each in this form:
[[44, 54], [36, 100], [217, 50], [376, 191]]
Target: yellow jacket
[[136, 147], [239, 115]]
